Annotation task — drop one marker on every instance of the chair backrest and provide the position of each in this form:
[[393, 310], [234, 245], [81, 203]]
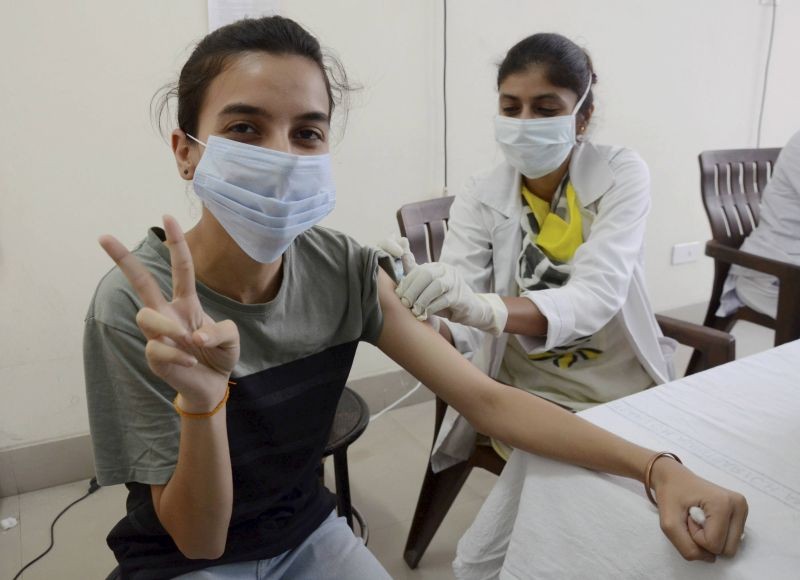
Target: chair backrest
[[732, 182], [424, 223]]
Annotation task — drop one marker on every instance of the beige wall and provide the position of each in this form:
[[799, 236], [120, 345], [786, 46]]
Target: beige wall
[[79, 157]]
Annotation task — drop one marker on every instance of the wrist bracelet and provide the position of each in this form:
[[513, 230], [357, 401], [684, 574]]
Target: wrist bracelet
[[649, 470], [211, 413]]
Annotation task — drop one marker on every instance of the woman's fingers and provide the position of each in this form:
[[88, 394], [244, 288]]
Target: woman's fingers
[[415, 283], [714, 532], [441, 306], [434, 293], [154, 325], [675, 527], [736, 531], [142, 281], [392, 246], [181, 259], [223, 334], [722, 531], [159, 354]]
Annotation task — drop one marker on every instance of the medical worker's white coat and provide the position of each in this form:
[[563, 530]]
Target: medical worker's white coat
[[484, 243]]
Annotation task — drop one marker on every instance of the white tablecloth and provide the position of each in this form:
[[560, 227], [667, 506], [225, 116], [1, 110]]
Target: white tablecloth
[[737, 425]]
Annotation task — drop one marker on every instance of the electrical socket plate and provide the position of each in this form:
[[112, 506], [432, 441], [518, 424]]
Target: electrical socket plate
[[685, 253]]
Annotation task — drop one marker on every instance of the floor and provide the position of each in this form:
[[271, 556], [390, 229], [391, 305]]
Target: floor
[[385, 487]]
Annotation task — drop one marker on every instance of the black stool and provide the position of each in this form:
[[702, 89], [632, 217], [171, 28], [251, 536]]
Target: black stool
[[352, 418]]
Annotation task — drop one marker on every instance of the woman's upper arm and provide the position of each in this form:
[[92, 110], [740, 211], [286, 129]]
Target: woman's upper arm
[[155, 495], [431, 359]]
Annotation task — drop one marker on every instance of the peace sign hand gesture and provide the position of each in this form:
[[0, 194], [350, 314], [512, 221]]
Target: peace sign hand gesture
[[185, 347]]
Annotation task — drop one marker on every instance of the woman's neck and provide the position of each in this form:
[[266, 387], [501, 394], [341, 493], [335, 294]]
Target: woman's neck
[[545, 187], [223, 266]]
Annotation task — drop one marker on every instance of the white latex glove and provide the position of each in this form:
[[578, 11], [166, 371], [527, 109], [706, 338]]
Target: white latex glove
[[431, 288], [398, 248]]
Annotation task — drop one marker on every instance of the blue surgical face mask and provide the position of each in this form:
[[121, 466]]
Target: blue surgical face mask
[[536, 147], [263, 198]]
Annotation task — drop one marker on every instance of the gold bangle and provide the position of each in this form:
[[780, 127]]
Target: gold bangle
[[649, 470], [211, 413]]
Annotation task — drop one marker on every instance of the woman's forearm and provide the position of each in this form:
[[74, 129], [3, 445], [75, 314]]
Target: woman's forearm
[[559, 434], [524, 317], [195, 506]]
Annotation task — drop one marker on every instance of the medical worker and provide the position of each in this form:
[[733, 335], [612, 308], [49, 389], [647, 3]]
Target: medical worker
[[541, 277]]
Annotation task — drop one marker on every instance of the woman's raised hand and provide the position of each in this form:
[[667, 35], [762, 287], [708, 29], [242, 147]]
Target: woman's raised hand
[[185, 347]]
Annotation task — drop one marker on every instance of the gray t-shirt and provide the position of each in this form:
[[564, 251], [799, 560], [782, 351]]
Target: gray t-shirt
[[296, 353]]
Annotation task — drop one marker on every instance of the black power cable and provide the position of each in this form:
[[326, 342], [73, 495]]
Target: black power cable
[[93, 487], [444, 87], [766, 72]]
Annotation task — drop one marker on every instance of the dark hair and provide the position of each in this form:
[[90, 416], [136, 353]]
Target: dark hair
[[566, 64], [272, 34]]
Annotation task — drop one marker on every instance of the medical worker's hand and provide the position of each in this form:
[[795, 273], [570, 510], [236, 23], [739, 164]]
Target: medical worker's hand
[[438, 288], [677, 489], [397, 247], [185, 347]]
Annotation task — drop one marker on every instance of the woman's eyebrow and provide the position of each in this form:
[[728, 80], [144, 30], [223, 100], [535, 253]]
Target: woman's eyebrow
[[548, 96], [313, 116], [244, 109]]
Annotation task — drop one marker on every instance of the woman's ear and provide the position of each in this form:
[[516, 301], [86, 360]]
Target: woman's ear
[[583, 121], [185, 153]]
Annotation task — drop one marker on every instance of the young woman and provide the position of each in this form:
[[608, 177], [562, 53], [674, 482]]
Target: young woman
[[214, 359], [545, 251]]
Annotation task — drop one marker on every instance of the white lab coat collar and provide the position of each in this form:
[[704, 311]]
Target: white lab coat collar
[[589, 173]]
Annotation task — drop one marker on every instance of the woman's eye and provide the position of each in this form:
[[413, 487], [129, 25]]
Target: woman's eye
[[241, 128], [308, 135], [510, 111], [549, 112]]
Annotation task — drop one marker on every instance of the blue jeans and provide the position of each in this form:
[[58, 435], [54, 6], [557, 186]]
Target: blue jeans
[[331, 552]]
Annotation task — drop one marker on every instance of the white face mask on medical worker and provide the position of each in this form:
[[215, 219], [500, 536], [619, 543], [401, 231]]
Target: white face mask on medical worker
[[536, 147], [263, 198]]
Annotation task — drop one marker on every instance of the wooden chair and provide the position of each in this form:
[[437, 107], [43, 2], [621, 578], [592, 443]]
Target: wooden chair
[[732, 182], [425, 224]]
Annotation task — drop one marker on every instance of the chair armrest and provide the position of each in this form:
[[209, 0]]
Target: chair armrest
[[782, 270], [715, 346]]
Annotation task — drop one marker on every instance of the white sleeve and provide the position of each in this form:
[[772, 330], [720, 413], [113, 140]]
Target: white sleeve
[[603, 265], [467, 247], [780, 206]]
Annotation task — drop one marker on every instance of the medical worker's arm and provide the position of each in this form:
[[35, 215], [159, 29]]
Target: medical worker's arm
[[195, 356], [602, 272], [534, 425]]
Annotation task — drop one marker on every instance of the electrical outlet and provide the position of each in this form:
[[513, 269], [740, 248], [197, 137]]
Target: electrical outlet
[[685, 253]]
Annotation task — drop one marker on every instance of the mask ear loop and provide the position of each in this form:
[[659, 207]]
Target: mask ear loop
[[574, 111], [196, 140], [577, 108]]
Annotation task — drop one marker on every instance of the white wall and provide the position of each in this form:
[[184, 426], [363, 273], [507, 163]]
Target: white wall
[[79, 157]]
